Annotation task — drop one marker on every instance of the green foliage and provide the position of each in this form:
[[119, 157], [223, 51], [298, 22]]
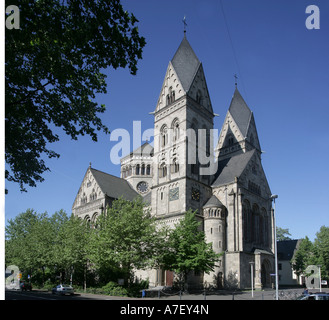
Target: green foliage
[[54, 69], [187, 249], [43, 246], [282, 234], [113, 289], [316, 253], [126, 237]]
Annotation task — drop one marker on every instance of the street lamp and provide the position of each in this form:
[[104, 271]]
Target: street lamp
[[273, 197], [252, 278]]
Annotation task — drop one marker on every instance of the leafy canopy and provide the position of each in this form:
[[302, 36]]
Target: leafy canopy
[[54, 69], [187, 249]]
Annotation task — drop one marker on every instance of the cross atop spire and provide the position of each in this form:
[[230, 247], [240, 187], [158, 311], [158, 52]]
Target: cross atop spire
[[236, 80], [185, 24]]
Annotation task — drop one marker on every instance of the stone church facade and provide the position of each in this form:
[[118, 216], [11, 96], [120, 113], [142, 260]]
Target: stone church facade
[[229, 190]]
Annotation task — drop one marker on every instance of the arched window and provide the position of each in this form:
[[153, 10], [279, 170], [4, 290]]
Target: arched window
[[175, 166], [163, 170], [138, 170], [93, 196], [170, 96], [164, 136], [167, 99], [148, 170], [143, 170], [175, 128], [84, 199]]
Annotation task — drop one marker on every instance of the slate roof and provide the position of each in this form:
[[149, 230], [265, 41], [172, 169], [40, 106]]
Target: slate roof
[[240, 112], [286, 249], [213, 202], [185, 63], [113, 186], [144, 150], [232, 167]]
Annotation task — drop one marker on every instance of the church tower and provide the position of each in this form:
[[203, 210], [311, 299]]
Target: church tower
[[183, 107]]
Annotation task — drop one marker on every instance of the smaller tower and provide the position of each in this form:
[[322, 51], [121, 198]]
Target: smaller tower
[[214, 213], [137, 169]]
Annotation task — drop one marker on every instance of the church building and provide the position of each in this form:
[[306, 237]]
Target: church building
[[223, 181]]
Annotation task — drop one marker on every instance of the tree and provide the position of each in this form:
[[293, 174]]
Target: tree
[[282, 234], [303, 256], [125, 238], [321, 248], [38, 242], [29, 241], [54, 68], [187, 249], [70, 248]]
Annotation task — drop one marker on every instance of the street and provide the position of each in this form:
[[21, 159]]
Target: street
[[286, 294], [43, 295]]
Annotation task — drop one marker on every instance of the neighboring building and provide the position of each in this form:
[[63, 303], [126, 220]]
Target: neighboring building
[[233, 203], [286, 252]]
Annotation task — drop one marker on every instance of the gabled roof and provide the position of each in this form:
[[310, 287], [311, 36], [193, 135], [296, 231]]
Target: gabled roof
[[240, 112], [186, 64], [233, 167], [113, 186]]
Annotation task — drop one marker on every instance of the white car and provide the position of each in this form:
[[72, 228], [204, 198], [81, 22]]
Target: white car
[[63, 289]]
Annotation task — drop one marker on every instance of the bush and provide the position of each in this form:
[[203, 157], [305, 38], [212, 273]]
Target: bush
[[113, 289]]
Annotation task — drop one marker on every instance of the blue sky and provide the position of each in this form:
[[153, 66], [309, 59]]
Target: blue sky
[[283, 71]]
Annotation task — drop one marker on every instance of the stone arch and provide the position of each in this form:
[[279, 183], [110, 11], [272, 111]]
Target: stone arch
[[265, 273]]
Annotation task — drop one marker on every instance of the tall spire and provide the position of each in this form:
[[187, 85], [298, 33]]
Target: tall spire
[[185, 63]]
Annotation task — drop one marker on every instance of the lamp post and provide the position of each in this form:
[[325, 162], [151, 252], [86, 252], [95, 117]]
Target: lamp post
[[273, 197], [252, 278]]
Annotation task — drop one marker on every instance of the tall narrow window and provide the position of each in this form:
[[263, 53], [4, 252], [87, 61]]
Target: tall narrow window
[[138, 170], [163, 171], [175, 166], [199, 97], [148, 169], [164, 136], [175, 128], [170, 96], [143, 170]]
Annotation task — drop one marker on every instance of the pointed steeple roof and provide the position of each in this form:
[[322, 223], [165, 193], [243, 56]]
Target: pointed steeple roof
[[240, 112], [185, 63]]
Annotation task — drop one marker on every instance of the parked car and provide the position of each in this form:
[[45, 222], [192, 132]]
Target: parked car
[[63, 289], [25, 286], [324, 283], [315, 296]]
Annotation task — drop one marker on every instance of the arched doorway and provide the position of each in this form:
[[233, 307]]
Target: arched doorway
[[265, 273]]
